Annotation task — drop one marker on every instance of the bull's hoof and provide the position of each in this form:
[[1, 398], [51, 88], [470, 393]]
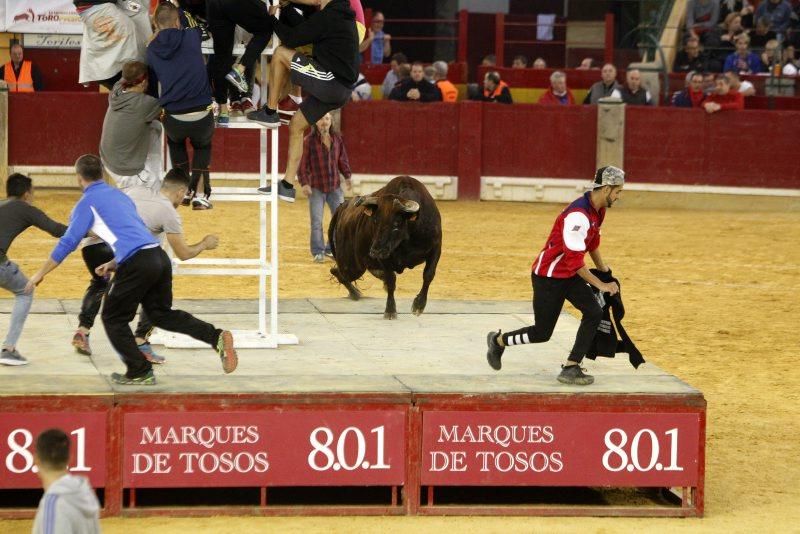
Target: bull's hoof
[[418, 306], [354, 295], [417, 311], [390, 315]]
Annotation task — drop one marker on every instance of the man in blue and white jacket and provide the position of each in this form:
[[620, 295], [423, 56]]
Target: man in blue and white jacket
[[143, 274]]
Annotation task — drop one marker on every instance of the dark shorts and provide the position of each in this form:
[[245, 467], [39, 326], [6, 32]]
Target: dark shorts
[[325, 92]]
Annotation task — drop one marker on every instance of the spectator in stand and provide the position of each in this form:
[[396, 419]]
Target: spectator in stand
[[790, 65], [701, 16], [692, 96], [606, 87], [378, 42], [723, 98], [113, 33], [324, 159], [520, 62], [416, 88], [558, 94], [20, 75], [722, 40], [174, 55], [762, 34], [709, 83], [392, 77], [740, 86], [769, 56], [429, 73], [489, 61], [587, 63], [633, 93], [743, 8], [778, 12], [495, 89], [743, 60], [446, 87], [691, 58], [539, 63], [362, 90]]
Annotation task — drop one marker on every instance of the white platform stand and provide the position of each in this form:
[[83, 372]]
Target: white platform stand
[[265, 337]]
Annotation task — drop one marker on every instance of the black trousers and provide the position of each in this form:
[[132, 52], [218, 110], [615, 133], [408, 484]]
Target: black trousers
[[199, 134], [549, 295], [223, 17], [146, 278], [95, 256]]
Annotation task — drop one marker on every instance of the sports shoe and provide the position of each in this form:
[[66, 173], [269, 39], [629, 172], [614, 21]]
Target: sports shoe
[[237, 80], [151, 356], [286, 192], [574, 376], [262, 116], [329, 254], [319, 258], [286, 109], [148, 379], [495, 351], [246, 105], [227, 354], [12, 357], [235, 109], [223, 120], [81, 343], [187, 199], [201, 203]]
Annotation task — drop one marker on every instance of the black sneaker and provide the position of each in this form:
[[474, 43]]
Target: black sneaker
[[574, 376], [495, 351], [262, 116], [148, 379], [286, 192]]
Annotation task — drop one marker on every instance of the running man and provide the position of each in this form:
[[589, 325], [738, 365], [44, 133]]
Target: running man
[[16, 215], [144, 275], [559, 274], [328, 77]]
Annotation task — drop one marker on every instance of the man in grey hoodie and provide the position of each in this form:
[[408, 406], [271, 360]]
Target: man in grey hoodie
[[69, 505]]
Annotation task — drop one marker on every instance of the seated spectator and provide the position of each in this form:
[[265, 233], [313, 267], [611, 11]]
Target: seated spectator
[[489, 61], [743, 60], [723, 98], [392, 77], [378, 42], [495, 89], [722, 40], [709, 83], [587, 63], [778, 12], [701, 16], [633, 93], [606, 87], [362, 90], [429, 74], [520, 62], [790, 65], [692, 96], [20, 75], [743, 8], [762, 34], [558, 94], [769, 56], [539, 63], [448, 90], [737, 84], [691, 57], [416, 88]]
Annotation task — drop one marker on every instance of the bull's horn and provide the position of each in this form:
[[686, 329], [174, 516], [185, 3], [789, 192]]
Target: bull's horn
[[369, 201], [409, 206]]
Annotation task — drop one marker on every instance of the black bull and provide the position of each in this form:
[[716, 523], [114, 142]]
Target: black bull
[[397, 227]]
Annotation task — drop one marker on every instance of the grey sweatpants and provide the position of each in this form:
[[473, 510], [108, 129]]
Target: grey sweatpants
[[12, 279]]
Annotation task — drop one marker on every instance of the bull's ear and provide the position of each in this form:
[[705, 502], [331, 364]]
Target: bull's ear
[[368, 211], [413, 217]]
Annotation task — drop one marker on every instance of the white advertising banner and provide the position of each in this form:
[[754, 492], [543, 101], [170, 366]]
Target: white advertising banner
[[41, 16]]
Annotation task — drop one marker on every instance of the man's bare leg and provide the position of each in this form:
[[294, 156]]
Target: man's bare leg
[[297, 128], [279, 69]]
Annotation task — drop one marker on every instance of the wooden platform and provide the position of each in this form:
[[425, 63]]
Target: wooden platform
[[365, 416]]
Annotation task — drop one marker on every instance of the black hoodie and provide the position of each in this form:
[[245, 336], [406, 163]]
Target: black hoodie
[[333, 33]]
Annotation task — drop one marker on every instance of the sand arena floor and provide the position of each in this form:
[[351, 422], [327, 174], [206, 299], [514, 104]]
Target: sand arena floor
[[711, 297]]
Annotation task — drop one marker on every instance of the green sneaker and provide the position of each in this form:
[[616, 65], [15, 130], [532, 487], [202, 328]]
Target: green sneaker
[[148, 379], [574, 376], [227, 354]]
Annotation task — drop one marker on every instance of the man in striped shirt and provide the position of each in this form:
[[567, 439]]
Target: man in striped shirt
[[559, 274]]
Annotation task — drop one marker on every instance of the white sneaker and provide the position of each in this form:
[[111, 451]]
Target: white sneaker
[[199, 203], [319, 258], [12, 357]]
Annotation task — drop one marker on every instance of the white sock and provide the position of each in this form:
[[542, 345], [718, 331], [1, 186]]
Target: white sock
[[297, 99]]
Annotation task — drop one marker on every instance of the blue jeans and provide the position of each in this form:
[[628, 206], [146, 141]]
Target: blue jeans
[[316, 206], [12, 279]]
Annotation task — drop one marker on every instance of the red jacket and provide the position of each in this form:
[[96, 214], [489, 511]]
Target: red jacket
[[731, 100], [575, 232], [550, 99]]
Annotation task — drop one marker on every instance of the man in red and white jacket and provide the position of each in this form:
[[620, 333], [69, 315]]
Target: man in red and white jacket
[[559, 274]]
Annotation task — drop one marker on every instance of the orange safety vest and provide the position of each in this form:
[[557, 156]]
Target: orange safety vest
[[449, 91], [23, 84], [497, 90]]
